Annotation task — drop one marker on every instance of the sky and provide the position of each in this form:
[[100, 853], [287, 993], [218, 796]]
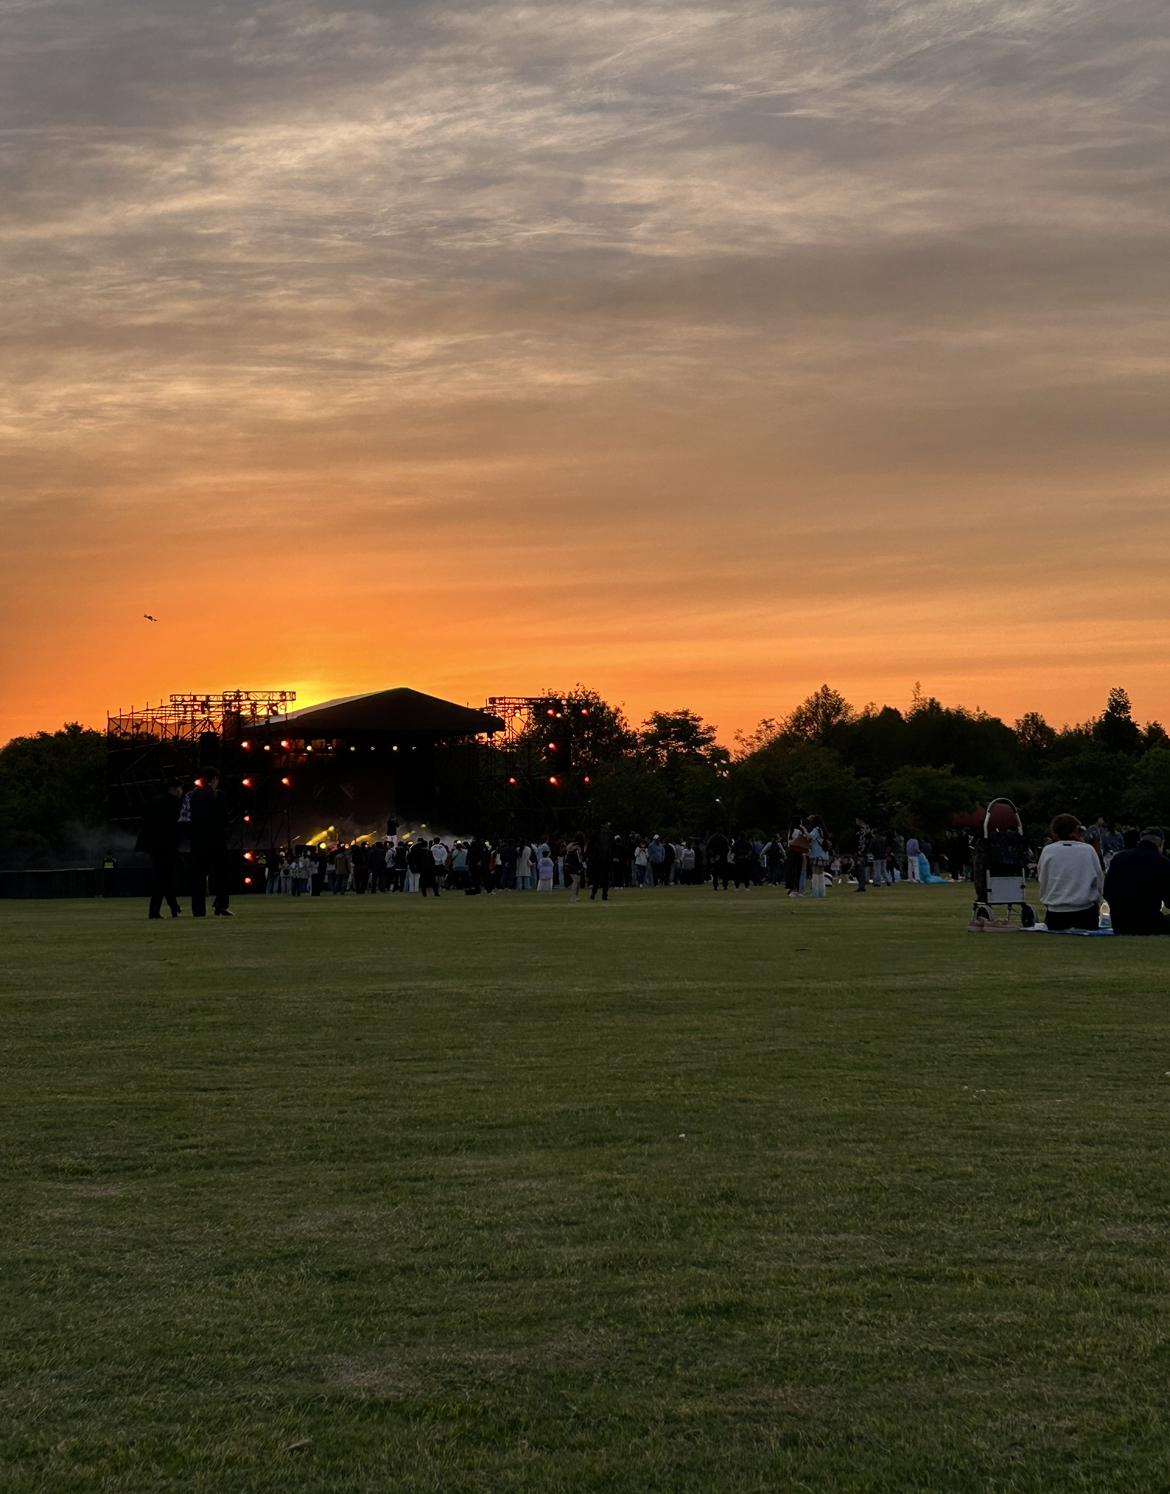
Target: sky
[[699, 354]]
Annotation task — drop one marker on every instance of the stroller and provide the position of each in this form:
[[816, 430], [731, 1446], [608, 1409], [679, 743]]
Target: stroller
[[1001, 865]]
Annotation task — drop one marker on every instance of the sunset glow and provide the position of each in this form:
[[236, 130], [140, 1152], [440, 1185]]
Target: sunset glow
[[697, 355]]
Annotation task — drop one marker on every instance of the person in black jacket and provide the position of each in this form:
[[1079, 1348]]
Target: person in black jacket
[[717, 850], [599, 859], [159, 838], [209, 858], [1136, 886], [422, 863]]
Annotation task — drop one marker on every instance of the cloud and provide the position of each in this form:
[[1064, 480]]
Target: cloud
[[616, 294]]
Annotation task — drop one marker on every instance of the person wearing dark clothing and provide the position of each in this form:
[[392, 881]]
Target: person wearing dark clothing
[[862, 853], [209, 857], [742, 862], [717, 850], [359, 860], [422, 863], [159, 838], [479, 868], [599, 854], [1136, 886]]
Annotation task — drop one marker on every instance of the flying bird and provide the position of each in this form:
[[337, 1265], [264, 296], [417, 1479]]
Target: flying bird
[[149, 619]]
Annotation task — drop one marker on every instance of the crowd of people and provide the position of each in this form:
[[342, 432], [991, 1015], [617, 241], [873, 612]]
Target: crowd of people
[[1078, 869]]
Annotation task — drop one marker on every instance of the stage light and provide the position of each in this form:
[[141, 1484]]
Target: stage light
[[394, 749], [309, 748], [247, 819], [245, 744], [286, 744], [511, 780], [287, 782], [587, 778], [267, 748], [247, 855], [247, 782], [247, 881], [553, 782], [352, 749]]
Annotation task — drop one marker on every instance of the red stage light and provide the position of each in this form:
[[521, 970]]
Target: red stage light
[[247, 782], [284, 744], [511, 780], [247, 819], [553, 782], [287, 782], [247, 881], [247, 855], [245, 744], [587, 778]]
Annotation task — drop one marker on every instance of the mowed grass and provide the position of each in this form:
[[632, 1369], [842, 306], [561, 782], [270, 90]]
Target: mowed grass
[[680, 1193]]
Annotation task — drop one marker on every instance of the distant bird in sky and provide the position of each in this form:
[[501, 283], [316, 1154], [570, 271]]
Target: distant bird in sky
[[149, 619]]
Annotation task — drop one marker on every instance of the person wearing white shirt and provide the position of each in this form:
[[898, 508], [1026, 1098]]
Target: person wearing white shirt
[[1072, 879]]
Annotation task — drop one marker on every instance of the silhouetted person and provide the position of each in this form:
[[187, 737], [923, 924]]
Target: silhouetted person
[[599, 860], [209, 857], [159, 838], [717, 850], [422, 863], [1136, 886]]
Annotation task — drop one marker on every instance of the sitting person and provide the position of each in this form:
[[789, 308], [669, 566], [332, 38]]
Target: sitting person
[[1137, 884], [1070, 877]]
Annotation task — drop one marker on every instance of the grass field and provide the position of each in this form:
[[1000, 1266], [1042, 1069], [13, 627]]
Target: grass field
[[680, 1193]]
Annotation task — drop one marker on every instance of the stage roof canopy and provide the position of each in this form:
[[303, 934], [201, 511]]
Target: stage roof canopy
[[392, 711]]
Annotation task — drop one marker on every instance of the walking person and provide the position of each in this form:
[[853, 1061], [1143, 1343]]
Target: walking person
[[159, 838], [574, 867], [862, 852], [209, 857]]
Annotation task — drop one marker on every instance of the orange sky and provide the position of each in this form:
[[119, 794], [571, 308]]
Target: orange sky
[[700, 357]]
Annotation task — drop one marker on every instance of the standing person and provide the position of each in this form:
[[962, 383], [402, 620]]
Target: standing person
[[400, 866], [741, 862], [877, 849], [441, 858], [159, 838], [913, 851], [209, 857], [1095, 836], [341, 870], [545, 866], [421, 864], [818, 855], [1111, 843], [656, 862], [641, 864], [1072, 878], [862, 852], [717, 850], [360, 866], [798, 845], [686, 863], [574, 867], [523, 865], [599, 859], [479, 866]]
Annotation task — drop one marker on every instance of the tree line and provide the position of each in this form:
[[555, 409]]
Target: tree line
[[905, 770]]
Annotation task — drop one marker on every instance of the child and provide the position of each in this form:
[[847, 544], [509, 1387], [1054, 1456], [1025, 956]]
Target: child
[[544, 872]]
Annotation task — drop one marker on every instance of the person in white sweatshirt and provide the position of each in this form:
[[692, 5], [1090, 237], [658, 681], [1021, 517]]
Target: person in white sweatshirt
[[1072, 880]]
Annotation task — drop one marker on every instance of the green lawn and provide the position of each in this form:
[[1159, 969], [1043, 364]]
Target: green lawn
[[679, 1193]]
